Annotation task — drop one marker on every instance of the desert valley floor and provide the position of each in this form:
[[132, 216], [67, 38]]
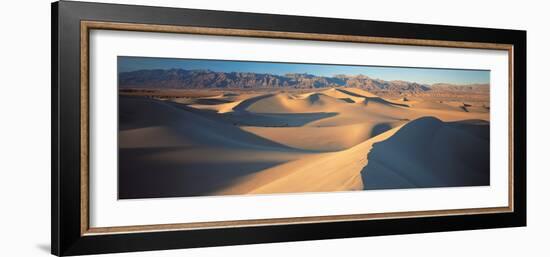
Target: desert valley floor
[[226, 142]]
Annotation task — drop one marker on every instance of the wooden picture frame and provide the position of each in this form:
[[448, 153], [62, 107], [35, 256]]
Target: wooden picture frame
[[71, 26]]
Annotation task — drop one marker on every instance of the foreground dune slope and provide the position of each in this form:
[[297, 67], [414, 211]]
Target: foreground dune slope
[[325, 172]]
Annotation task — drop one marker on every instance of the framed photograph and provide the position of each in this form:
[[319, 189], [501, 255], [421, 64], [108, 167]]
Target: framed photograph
[[177, 128]]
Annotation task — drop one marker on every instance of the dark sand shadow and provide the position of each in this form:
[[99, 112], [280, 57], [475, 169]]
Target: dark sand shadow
[[381, 101], [241, 117], [275, 119], [371, 99], [430, 153], [211, 101], [347, 100], [380, 128], [141, 175], [250, 101]]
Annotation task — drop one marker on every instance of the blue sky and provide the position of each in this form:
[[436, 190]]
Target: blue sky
[[419, 75]]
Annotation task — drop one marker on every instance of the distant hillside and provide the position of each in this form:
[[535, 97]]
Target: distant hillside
[[452, 87], [201, 79]]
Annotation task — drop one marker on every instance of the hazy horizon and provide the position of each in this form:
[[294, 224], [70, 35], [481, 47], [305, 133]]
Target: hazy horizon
[[419, 75]]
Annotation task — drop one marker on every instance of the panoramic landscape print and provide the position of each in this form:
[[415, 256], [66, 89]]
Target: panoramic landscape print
[[193, 127]]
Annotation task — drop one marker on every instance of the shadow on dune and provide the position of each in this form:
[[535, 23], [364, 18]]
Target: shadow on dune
[[430, 153], [250, 101], [374, 99], [211, 101], [380, 128], [381, 101], [143, 173], [275, 119], [347, 100], [350, 93], [241, 117]]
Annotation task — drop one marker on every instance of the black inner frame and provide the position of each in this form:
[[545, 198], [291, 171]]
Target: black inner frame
[[65, 169]]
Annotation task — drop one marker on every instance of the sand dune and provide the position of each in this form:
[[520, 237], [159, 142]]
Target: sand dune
[[431, 153], [286, 103], [339, 124], [182, 127], [219, 108], [326, 172], [325, 139], [176, 147], [426, 158], [281, 142], [342, 95]]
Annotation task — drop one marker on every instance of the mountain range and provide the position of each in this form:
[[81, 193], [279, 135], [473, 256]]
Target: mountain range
[[203, 79]]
